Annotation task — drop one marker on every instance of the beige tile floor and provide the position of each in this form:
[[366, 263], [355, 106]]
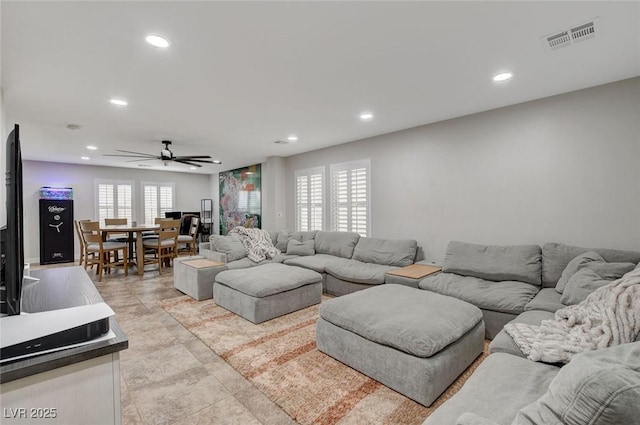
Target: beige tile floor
[[167, 375]]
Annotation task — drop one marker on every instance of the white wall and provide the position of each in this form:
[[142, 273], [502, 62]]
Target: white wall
[[273, 193], [189, 189], [564, 168]]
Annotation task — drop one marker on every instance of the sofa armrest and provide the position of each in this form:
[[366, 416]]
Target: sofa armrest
[[473, 419]]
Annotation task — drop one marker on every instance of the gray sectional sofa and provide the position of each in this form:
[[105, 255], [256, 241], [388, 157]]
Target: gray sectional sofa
[[505, 281], [600, 387], [526, 284], [597, 387], [346, 261]]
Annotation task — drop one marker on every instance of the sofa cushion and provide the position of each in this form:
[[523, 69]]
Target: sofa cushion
[[548, 299], [600, 387], [556, 256], [413, 321], [281, 241], [503, 343], [229, 245], [303, 236], [359, 272], [574, 265], [267, 280], [498, 263], [390, 252], [499, 387], [339, 244], [279, 258], [295, 247], [316, 262], [243, 263], [591, 277], [504, 297], [610, 271]]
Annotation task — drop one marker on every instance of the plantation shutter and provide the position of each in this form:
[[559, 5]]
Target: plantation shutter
[[310, 199], [158, 199], [114, 199], [350, 203], [125, 202]]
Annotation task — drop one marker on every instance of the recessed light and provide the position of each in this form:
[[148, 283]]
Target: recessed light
[[504, 76], [86, 158], [156, 40], [119, 102], [215, 161], [366, 116], [292, 138], [193, 168], [92, 148]]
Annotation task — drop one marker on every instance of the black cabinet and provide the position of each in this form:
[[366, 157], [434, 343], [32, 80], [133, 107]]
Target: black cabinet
[[56, 231]]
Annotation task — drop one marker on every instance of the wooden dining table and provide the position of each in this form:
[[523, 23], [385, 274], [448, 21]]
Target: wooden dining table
[[131, 230]]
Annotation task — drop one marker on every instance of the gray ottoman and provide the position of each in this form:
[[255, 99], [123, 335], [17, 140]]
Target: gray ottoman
[[263, 293], [413, 341]]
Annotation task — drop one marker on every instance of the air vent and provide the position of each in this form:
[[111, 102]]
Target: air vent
[[557, 41], [573, 35], [583, 32], [281, 142]]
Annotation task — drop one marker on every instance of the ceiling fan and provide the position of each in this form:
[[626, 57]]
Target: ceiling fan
[[167, 155]]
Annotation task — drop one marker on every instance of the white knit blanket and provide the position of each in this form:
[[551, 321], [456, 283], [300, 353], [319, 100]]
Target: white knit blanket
[[609, 316], [257, 242]]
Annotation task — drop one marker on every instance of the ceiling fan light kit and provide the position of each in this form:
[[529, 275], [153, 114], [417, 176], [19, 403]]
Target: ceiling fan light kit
[[166, 156]]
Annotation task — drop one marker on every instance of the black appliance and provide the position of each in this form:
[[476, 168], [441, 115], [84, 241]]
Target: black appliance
[[56, 231]]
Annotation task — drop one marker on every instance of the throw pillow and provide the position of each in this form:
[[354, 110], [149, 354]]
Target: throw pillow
[[573, 267], [295, 247], [229, 245], [282, 241], [610, 271], [590, 277], [600, 387]]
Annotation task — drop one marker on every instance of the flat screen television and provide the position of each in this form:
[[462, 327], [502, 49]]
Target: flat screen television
[[174, 215], [12, 237]]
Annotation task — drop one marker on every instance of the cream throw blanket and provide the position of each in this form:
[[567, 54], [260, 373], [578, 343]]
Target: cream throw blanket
[[609, 316], [257, 242]]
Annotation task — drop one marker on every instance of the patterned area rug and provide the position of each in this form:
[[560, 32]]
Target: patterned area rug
[[280, 358]]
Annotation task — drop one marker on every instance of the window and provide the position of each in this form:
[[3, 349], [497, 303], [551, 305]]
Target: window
[[157, 198], [114, 199], [350, 197], [310, 199]]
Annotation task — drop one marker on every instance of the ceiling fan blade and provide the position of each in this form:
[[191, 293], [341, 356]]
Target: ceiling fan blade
[[140, 160], [182, 161], [137, 153], [194, 160], [133, 156], [188, 157]]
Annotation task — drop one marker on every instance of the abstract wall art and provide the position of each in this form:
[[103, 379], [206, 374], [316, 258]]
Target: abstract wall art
[[240, 198]]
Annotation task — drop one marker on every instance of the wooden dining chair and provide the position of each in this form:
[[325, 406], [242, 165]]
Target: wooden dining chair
[[102, 250], [118, 237], [165, 246], [190, 239], [82, 243]]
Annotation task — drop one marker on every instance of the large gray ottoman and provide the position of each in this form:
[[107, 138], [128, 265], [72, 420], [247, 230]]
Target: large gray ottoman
[[263, 293], [413, 341]]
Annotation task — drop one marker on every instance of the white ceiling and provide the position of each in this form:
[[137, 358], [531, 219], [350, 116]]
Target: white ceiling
[[239, 75]]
